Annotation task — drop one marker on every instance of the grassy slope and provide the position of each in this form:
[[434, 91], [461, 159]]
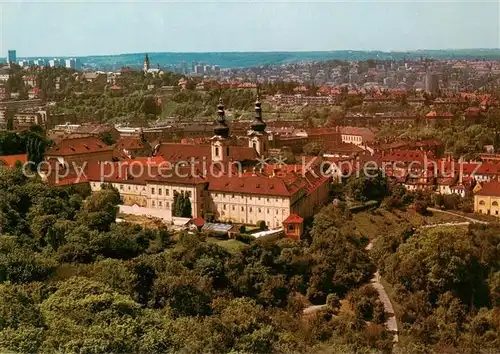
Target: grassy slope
[[375, 222], [229, 245]]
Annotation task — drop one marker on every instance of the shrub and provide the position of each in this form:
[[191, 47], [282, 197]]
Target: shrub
[[420, 207], [261, 224], [244, 238], [392, 202]]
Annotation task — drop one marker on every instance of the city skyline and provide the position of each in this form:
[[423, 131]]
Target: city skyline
[[64, 29]]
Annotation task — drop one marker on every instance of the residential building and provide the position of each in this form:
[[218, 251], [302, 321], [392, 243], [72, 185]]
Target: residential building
[[487, 199], [356, 136], [11, 56], [72, 63], [80, 150]]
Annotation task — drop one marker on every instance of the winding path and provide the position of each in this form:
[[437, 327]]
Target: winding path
[[391, 323]]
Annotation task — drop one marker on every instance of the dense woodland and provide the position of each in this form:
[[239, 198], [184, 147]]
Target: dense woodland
[[73, 280]]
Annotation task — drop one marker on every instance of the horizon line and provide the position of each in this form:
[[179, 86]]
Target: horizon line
[[411, 51]]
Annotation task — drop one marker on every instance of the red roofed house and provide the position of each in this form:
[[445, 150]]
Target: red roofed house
[[79, 150], [11, 161], [472, 112], [134, 147], [356, 136], [198, 222], [434, 117], [293, 226], [487, 198]]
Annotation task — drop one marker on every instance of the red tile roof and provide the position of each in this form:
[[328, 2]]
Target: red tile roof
[[11, 160], [293, 219], [174, 152], [284, 183], [198, 222], [76, 146], [434, 114], [491, 188], [131, 144]]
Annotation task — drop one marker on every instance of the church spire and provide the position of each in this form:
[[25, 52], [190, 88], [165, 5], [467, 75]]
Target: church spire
[[146, 62], [221, 128], [258, 124]]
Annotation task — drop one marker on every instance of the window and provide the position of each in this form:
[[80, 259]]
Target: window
[[242, 209], [153, 203], [216, 151], [167, 192], [494, 203], [232, 196], [188, 194], [160, 204], [291, 227], [250, 209], [121, 187], [481, 202], [268, 200], [128, 187], [224, 206], [233, 207], [260, 210], [167, 204], [152, 191], [496, 212], [159, 191], [276, 212], [268, 211]]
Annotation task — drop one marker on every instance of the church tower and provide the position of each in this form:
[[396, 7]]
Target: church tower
[[220, 142], [257, 136], [146, 63]]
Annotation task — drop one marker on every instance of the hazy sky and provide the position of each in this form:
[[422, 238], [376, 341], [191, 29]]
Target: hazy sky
[[66, 28]]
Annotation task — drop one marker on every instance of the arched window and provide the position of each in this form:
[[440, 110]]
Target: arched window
[[494, 203], [481, 202], [216, 151]]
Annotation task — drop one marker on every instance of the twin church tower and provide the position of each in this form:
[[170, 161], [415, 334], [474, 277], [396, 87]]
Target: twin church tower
[[221, 141]]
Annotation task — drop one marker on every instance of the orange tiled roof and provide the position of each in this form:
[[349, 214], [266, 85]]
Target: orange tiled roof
[[491, 188], [76, 146], [293, 219], [11, 160]]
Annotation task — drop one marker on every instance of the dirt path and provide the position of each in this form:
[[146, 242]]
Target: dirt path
[[391, 323], [455, 214]]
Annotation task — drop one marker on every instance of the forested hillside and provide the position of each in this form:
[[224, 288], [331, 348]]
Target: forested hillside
[[72, 280]]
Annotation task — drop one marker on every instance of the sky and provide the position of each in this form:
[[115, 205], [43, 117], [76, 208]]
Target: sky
[[79, 28]]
